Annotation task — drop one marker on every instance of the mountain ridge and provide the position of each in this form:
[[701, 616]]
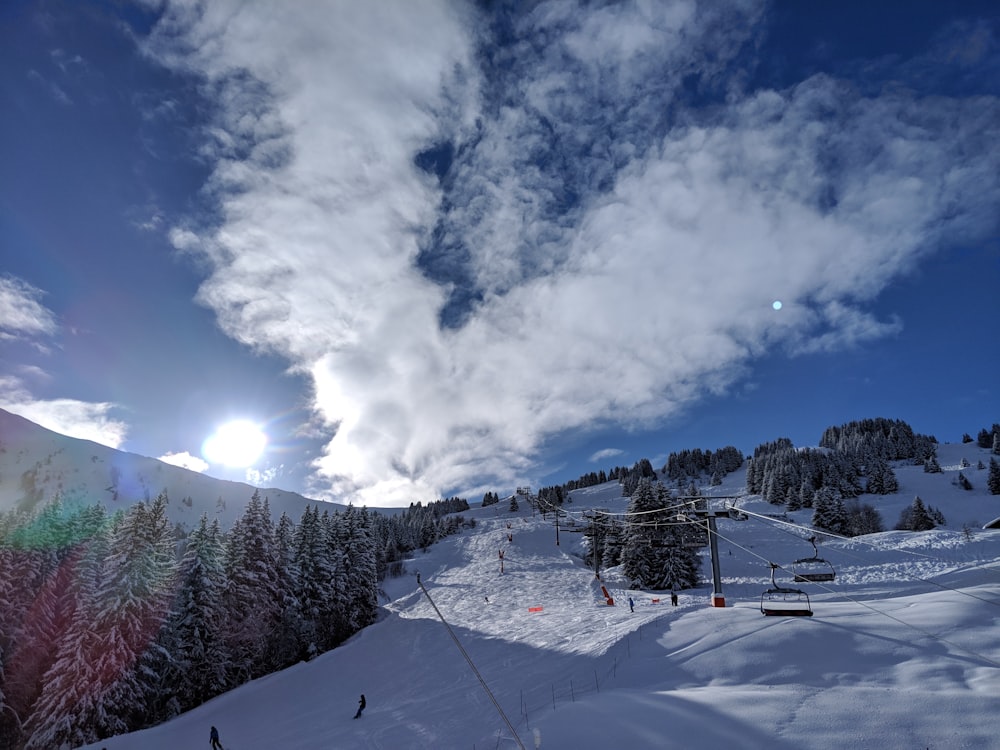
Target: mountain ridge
[[37, 464]]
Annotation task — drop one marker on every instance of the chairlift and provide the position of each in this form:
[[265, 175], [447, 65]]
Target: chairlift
[[781, 601], [813, 569], [735, 513]]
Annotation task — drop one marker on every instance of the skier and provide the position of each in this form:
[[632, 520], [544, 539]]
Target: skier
[[213, 736], [673, 598], [361, 706], [631, 605]]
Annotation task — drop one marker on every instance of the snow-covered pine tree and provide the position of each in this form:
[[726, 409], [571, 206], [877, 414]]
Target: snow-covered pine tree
[[829, 513], [637, 557], [285, 643], [881, 478], [336, 535], [915, 517], [132, 605], [199, 662], [993, 478], [362, 595], [252, 602], [654, 553], [70, 683], [314, 590]]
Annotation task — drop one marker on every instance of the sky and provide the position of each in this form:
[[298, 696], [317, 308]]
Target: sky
[[900, 653], [429, 249]]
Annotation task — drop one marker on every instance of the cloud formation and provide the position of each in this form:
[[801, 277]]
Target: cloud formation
[[25, 321], [186, 461], [475, 232], [22, 313]]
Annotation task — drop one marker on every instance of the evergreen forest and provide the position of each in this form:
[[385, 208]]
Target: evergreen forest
[[113, 623]]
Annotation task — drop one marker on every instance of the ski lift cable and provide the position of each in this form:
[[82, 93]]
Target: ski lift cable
[[861, 558], [472, 665], [813, 531], [922, 631]]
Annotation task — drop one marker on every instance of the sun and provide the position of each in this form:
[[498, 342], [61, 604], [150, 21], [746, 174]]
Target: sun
[[238, 444]]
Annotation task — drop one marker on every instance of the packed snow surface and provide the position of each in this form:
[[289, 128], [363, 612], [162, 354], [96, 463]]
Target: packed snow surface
[[903, 649]]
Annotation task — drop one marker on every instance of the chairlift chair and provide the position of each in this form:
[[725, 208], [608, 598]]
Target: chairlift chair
[[782, 601], [813, 569]]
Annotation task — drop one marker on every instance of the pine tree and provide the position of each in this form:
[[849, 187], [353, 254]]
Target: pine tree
[[71, 683], [993, 479], [829, 513], [654, 553], [314, 590], [881, 478], [132, 605], [200, 660], [251, 598], [916, 517], [286, 641], [362, 606], [637, 557]]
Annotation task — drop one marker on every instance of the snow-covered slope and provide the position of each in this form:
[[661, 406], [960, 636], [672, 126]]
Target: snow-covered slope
[[902, 651], [36, 464]]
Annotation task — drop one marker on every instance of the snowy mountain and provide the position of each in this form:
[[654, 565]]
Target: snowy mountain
[[36, 464], [901, 651]]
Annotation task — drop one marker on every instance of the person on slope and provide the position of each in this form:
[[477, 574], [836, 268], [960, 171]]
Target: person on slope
[[361, 706], [631, 605], [213, 737]]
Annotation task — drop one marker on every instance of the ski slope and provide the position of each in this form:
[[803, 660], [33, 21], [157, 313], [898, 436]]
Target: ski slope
[[903, 650]]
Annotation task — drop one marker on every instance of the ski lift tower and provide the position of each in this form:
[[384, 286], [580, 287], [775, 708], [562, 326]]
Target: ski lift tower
[[709, 516]]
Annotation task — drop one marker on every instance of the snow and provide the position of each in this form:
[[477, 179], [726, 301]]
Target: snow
[[902, 651]]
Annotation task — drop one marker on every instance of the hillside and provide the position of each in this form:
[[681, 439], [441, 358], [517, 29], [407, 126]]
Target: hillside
[[37, 464], [900, 653]]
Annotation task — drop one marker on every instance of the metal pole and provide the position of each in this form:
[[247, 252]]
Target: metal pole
[[472, 666], [718, 600]]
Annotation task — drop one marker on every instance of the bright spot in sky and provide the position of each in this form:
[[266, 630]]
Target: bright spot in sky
[[238, 443], [777, 304]]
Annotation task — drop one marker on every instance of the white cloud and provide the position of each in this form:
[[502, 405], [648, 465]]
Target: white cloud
[[21, 312], [78, 419], [24, 318], [625, 269], [263, 478], [186, 461], [604, 454]]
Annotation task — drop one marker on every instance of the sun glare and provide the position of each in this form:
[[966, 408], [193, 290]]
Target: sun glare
[[238, 444]]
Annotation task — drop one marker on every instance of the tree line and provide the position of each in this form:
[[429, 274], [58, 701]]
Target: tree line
[[113, 623]]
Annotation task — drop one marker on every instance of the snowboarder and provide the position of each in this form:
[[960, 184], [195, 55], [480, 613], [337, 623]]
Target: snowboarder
[[361, 706], [673, 598], [631, 605], [213, 737]]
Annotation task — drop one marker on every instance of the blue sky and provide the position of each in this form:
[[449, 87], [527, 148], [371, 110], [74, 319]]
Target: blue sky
[[440, 248]]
